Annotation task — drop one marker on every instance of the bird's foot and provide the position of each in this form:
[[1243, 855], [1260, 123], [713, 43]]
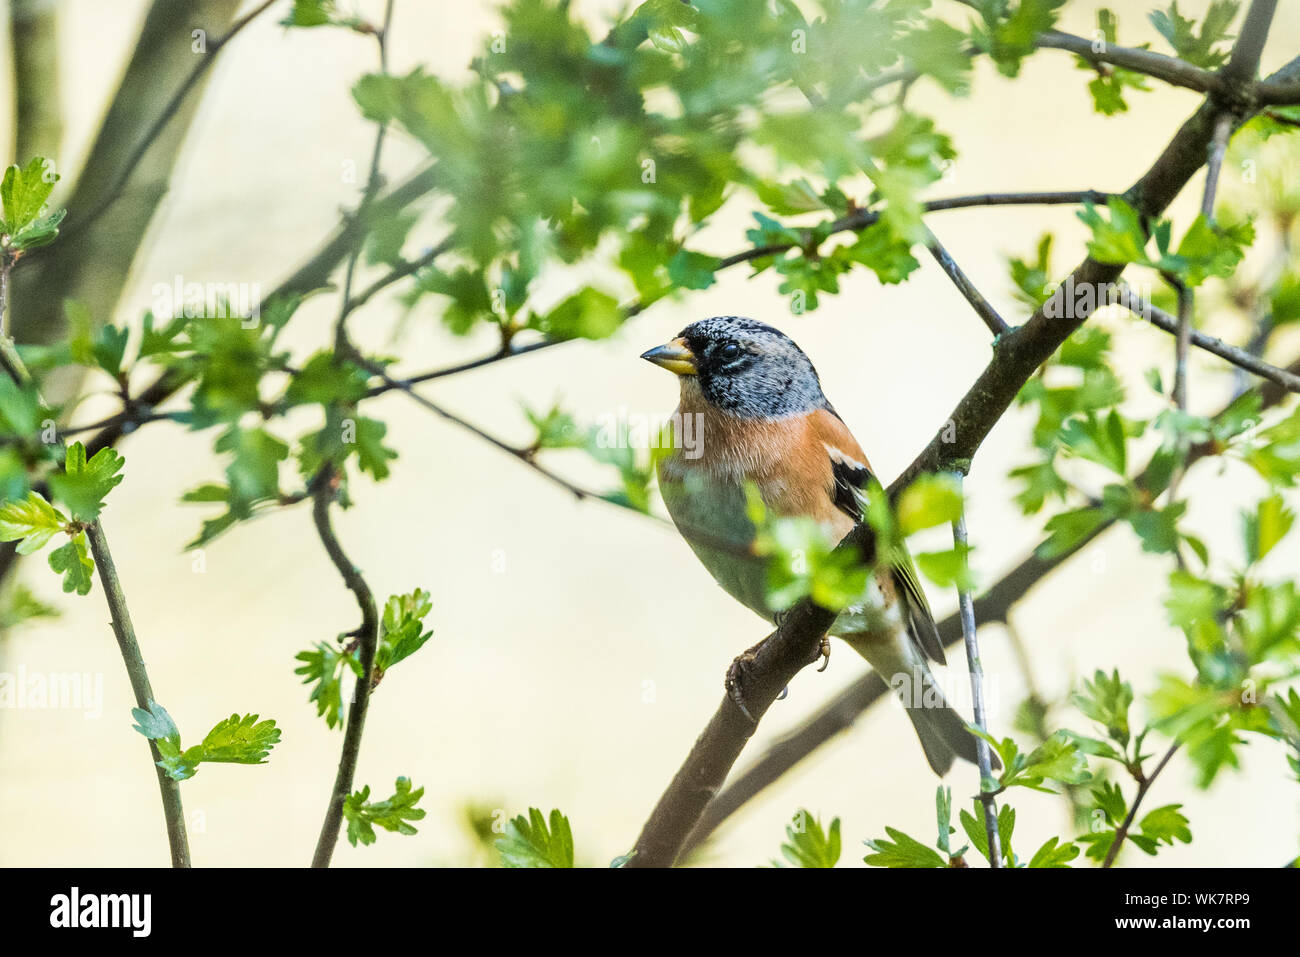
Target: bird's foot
[[823, 654], [736, 675]]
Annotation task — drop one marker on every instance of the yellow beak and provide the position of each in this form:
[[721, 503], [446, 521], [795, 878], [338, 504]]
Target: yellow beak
[[675, 356]]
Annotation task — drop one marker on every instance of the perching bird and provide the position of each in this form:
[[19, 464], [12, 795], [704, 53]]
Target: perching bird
[[760, 417]]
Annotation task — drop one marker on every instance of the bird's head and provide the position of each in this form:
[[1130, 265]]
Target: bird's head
[[743, 367]]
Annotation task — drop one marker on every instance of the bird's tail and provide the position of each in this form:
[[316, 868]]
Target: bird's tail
[[942, 731]]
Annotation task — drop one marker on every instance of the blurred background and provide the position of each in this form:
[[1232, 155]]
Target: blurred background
[[578, 649]]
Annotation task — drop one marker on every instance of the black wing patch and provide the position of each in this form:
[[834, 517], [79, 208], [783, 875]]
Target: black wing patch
[[850, 479]]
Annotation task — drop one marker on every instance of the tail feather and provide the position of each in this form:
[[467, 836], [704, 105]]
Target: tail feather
[[942, 731]]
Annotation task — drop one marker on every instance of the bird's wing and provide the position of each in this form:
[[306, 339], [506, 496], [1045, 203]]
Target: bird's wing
[[850, 472]]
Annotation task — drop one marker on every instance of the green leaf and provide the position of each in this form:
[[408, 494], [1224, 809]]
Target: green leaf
[[1118, 240], [807, 845], [1054, 854], [392, 814], [373, 455], [1165, 825], [156, 724], [23, 193], [949, 568], [22, 605], [322, 380], [1068, 529], [1197, 48], [883, 251], [530, 843], [930, 500], [1212, 249], [239, 740], [323, 667], [33, 520], [1266, 526], [1107, 699], [83, 484], [318, 13], [973, 825], [254, 471], [235, 740], [401, 630], [1100, 441], [75, 564], [589, 314], [556, 429], [689, 270], [902, 850]]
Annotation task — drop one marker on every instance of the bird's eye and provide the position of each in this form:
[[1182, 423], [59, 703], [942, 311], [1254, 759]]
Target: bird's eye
[[730, 351]]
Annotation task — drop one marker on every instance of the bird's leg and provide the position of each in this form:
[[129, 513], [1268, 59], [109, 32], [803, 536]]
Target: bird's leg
[[735, 675], [823, 653]]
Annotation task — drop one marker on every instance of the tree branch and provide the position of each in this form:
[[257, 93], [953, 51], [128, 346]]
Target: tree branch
[[1242, 358], [1144, 785], [983, 308], [1017, 355], [323, 489], [124, 631], [1243, 65], [988, 783], [325, 485], [1170, 69]]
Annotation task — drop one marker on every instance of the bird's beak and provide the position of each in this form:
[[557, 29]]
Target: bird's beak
[[675, 356]]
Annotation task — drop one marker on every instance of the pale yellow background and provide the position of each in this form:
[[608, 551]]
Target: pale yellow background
[[578, 677]]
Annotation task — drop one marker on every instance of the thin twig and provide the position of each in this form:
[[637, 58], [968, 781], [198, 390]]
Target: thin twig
[[1144, 785], [1242, 358], [144, 698], [6, 267], [1170, 69], [367, 635], [526, 456], [342, 346], [996, 324], [324, 487], [1243, 64], [983, 308], [1223, 124], [988, 784]]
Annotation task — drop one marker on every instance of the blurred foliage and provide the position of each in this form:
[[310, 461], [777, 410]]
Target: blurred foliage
[[600, 157]]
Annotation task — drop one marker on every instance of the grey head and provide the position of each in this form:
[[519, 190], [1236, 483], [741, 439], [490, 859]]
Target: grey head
[[744, 367]]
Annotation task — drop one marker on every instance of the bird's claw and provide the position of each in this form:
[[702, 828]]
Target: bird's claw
[[824, 654], [735, 678]]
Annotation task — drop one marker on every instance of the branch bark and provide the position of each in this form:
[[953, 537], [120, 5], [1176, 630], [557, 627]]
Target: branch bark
[[1170, 69], [1144, 785], [124, 631], [367, 635]]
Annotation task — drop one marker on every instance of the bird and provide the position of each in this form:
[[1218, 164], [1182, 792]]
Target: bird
[[762, 421]]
